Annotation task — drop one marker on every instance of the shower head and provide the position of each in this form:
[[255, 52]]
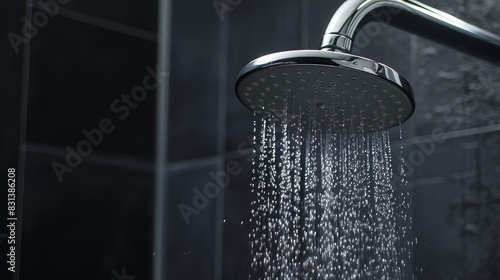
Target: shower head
[[326, 90], [333, 89]]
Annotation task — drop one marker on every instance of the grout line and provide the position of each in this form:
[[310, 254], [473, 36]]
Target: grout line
[[160, 223], [221, 146], [450, 134], [107, 24], [451, 176], [114, 160], [23, 123], [190, 163], [126, 161]]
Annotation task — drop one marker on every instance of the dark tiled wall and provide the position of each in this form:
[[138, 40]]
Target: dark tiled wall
[[195, 80], [98, 218], [78, 74], [456, 199], [94, 222], [10, 79], [88, 185]]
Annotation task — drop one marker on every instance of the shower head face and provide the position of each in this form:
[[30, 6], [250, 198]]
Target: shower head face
[[326, 90]]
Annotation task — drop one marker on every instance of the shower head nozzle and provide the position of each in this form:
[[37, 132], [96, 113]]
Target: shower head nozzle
[[326, 90]]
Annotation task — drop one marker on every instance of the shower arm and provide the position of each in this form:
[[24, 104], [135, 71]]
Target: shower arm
[[411, 16]]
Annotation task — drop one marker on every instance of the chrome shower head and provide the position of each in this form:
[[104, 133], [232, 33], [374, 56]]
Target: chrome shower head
[[326, 90], [333, 89]]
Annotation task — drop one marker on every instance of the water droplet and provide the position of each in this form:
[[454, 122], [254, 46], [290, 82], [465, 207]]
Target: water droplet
[[321, 105]]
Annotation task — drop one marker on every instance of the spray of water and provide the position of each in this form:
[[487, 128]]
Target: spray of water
[[325, 205]]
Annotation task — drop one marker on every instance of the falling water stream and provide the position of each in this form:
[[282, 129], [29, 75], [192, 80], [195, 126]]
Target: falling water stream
[[325, 205]]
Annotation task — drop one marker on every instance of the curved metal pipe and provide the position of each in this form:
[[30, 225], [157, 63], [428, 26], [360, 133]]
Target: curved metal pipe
[[411, 16]]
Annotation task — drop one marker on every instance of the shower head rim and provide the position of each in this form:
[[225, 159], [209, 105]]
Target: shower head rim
[[326, 58], [339, 60]]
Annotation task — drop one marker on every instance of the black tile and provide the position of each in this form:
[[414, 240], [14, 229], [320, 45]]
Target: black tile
[[194, 87], [455, 218], [256, 28], [320, 14], [425, 158], [11, 54], [11, 13], [141, 15], [437, 235], [191, 231], [453, 239], [78, 74], [94, 222], [237, 226], [489, 161]]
